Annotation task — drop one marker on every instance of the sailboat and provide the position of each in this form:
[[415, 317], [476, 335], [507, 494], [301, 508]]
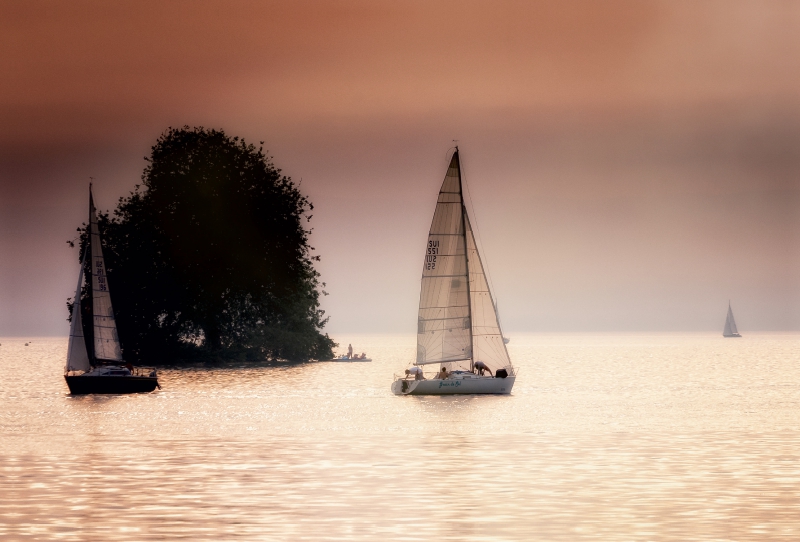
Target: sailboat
[[104, 371], [730, 325], [458, 330]]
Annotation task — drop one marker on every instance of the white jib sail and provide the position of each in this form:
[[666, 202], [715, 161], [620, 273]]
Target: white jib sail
[[77, 356], [444, 325], [487, 338], [106, 340]]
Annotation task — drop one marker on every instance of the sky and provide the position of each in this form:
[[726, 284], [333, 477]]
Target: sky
[[632, 165]]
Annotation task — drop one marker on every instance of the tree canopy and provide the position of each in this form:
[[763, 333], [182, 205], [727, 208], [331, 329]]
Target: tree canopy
[[209, 257]]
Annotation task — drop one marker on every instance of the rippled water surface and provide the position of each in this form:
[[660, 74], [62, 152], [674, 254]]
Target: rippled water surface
[[605, 437]]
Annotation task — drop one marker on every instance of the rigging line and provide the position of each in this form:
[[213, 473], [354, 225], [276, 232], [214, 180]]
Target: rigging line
[[480, 240]]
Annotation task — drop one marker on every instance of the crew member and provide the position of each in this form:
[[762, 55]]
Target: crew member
[[416, 371], [481, 367]]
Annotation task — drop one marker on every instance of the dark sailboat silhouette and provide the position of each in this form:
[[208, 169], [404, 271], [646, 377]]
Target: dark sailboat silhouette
[[104, 371]]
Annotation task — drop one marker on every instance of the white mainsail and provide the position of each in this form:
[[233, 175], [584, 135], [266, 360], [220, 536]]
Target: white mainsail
[[457, 316], [106, 340], [444, 332], [730, 324], [77, 356]]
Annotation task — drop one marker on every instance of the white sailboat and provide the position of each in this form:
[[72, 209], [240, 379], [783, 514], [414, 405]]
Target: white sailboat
[[104, 371], [458, 331], [730, 325]]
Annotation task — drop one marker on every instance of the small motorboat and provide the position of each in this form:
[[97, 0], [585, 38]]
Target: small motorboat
[[346, 358]]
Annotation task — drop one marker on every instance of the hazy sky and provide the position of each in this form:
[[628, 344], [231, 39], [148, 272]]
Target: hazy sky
[[632, 165]]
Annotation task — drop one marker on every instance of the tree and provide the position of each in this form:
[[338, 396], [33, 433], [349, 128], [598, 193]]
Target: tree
[[209, 257]]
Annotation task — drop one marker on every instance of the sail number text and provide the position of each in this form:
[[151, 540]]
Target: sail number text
[[430, 257], [101, 278]]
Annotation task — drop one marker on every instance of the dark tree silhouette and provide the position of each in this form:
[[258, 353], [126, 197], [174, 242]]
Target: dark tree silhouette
[[208, 258]]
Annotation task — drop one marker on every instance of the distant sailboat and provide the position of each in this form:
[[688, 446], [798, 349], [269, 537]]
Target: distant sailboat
[[730, 325], [104, 371], [458, 329]]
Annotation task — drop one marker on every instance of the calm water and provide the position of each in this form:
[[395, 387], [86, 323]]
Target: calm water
[[606, 437]]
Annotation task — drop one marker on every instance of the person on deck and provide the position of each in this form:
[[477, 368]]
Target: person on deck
[[481, 367], [350, 351], [442, 374], [416, 371]]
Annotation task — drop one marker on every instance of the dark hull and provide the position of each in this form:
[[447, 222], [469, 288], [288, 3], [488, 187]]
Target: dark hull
[[734, 336], [82, 385]]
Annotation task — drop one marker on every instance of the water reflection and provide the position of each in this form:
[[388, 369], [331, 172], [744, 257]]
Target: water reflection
[[604, 438]]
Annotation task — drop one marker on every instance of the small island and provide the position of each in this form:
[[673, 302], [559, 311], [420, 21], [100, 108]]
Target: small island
[[209, 258]]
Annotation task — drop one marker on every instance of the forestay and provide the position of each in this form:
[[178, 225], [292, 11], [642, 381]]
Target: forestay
[[106, 340], [77, 357], [444, 326]]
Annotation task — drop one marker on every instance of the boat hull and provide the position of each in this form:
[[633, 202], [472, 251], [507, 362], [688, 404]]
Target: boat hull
[[83, 385], [734, 336], [470, 386]]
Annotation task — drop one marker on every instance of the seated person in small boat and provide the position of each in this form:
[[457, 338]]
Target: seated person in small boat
[[363, 355], [416, 371], [442, 374], [481, 367]]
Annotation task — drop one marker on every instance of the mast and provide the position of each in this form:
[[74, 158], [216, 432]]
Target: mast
[[466, 258]]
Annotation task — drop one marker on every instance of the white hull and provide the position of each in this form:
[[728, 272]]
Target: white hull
[[459, 386]]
